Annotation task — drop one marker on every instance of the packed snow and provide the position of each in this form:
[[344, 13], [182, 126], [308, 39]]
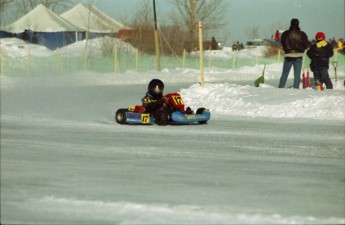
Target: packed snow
[[221, 93], [267, 155]]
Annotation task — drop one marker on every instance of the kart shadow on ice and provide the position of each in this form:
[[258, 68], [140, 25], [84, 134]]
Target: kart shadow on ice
[[172, 113]]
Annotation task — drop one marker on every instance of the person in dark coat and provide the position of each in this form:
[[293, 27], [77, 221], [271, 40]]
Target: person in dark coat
[[35, 38], [319, 53], [26, 36], [214, 44], [294, 43], [153, 99]]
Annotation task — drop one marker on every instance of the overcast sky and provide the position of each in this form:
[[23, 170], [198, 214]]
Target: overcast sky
[[244, 15]]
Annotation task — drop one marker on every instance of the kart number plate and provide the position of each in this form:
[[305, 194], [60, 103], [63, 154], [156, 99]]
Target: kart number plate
[[178, 100], [145, 118]]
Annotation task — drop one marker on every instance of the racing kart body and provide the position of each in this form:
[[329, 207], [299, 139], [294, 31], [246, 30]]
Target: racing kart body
[[173, 112]]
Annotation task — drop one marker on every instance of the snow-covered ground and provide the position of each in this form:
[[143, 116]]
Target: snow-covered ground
[[267, 156]]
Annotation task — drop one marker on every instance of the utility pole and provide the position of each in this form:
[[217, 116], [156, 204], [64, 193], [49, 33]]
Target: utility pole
[[158, 62]]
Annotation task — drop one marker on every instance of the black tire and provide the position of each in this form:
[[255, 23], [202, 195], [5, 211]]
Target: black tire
[[162, 117], [120, 116], [200, 111]]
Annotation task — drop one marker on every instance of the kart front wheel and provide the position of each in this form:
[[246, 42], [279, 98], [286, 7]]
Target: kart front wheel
[[200, 111], [120, 116]]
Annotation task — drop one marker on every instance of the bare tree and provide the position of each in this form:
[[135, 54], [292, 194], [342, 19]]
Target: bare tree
[[3, 5], [277, 26], [143, 16], [253, 33], [141, 22], [55, 5], [211, 12]]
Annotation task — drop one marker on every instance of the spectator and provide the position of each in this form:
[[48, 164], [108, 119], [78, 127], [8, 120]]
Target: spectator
[[214, 44], [26, 37], [234, 47], [334, 43], [340, 44], [35, 38], [294, 43], [277, 36], [319, 53]]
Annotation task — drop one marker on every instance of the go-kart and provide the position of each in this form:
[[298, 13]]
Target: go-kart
[[173, 112]]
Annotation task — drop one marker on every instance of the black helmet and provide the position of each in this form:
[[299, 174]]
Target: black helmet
[[155, 88]]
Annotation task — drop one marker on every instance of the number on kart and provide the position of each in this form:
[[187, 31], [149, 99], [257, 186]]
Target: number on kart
[[178, 100], [145, 118]]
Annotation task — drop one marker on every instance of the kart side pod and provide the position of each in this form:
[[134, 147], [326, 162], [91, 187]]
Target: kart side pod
[[125, 116]]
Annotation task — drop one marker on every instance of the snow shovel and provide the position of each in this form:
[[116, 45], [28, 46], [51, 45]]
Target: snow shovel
[[261, 79]]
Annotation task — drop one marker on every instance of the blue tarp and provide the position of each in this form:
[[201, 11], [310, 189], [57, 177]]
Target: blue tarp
[[50, 40], [54, 40]]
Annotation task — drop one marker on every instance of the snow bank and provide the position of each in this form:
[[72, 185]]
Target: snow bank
[[236, 100], [227, 92]]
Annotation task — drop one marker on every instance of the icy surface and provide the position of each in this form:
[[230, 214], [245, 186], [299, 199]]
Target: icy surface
[[267, 156]]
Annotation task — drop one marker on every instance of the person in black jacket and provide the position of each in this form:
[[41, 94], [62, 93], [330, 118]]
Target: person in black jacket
[[319, 53], [35, 38], [294, 43], [154, 99], [26, 36]]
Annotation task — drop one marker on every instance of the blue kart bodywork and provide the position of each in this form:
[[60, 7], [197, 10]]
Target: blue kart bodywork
[[180, 118], [139, 118], [177, 118]]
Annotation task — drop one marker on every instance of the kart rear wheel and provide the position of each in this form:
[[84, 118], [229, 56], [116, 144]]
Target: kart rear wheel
[[200, 111], [120, 116], [162, 117]]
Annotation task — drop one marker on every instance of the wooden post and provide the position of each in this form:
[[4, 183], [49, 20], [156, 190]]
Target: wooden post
[[116, 61], [209, 60], [137, 60], [29, 57], [115, 58], [184, 58], [58, 59], [85, 58], [29, 61], [201, 50], [278, 55], [86, 49], [158, 61], [234, 55], [2, 63]]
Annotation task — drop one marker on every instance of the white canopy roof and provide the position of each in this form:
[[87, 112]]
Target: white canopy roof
[[41, 19], [92, 19]]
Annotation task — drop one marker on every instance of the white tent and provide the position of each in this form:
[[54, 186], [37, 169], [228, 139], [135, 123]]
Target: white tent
[[41, 19], [92, 19]]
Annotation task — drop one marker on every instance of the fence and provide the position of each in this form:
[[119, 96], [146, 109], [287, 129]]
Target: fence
[[121, 61]]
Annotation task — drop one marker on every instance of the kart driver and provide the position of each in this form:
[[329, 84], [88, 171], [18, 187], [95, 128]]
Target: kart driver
[[154, 99]]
